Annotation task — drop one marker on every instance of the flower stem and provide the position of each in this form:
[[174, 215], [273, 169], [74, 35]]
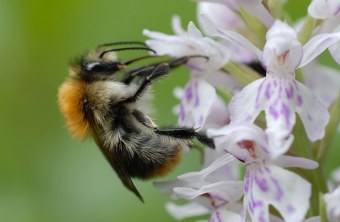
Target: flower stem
[[322, 147], [303, 147], [307, 29], [241, 73]]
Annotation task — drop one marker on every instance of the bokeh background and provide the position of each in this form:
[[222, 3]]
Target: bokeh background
[[44, 174]]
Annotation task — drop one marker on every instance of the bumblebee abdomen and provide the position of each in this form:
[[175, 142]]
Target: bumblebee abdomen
[[71, 98], [152, 156]]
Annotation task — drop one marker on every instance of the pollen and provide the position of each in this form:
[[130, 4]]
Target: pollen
[[71, 96]]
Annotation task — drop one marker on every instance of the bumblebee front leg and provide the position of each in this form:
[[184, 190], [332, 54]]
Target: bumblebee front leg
[[159, 71], [186, 133], [145, 70]]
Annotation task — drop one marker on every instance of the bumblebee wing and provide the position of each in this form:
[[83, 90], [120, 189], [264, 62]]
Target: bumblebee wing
[[126, 180], [121, 172], [97, 130]]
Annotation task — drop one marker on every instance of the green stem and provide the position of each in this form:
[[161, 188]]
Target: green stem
[[241, 73], [303, 147], [307, 29], [322, 147], [257, 26]]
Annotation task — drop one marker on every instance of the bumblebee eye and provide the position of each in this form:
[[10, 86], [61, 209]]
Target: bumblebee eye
[[95, 66]]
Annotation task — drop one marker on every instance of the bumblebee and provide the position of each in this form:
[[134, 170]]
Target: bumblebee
[[113, 109]]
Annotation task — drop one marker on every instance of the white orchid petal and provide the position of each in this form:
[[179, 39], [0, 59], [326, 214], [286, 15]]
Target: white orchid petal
[[290, 161], [318, 9], [335, 52], [332, 200], [184, 211], [323, 81], [226, 191], [188, 44], [230, 36], [256, 8], [230, 171], [193, 31], [198, 177], [313, 114], [313, 219], [198, 98], [176, 25], [247, 104], [335, 49], [334, 6], [221, 15], [286, 191], [218, 115], [317, 45], [224, 215], [236, 137]]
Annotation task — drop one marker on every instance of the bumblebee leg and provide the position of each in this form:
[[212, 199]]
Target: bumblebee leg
[[142, 71], [186, 133], [145, 70], [159, 71]]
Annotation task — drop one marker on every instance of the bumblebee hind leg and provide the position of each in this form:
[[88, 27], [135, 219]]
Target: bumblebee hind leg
[[186, 133]]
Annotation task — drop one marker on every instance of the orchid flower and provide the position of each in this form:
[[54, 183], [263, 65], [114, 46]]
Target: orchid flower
[[266, 182], [279, 94], [199, 93]]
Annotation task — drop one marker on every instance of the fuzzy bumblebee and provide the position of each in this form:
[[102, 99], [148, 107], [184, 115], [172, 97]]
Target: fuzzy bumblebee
[[113, 109]]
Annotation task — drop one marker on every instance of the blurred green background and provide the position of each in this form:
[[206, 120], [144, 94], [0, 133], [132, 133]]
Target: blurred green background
[[44, 174]]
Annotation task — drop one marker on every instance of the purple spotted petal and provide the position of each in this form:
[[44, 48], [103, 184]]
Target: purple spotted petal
[[269, 184], [246, 105], [197, 101]]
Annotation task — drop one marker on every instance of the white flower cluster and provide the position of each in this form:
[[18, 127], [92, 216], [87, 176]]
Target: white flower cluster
[[269, 66]]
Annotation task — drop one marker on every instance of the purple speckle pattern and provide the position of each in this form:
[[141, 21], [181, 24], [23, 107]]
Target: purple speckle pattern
[[188, 93], [290, 209], [278, 190], [197, 99], [181, 113], [267, 92], [285, 111], [261, 183], [299, 100], [273, 112]]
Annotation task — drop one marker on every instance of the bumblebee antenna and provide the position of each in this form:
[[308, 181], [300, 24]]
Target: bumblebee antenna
[[126, 48], [138, 59], [122, 43]]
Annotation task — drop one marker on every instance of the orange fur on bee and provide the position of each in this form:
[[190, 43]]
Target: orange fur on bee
[[71, 96], [167, 167]]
